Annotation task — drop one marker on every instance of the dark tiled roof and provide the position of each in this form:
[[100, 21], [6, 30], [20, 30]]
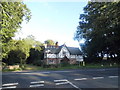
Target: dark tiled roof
[[54, 50], [72, 50]]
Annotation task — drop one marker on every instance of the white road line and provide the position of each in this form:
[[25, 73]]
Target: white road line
[[62, 83], [98, 77], [73, 85], [10, 84], [37, 82], [65, 81], [9, 87], [38, 85], [81, 79], [113, 76], [60, 80]]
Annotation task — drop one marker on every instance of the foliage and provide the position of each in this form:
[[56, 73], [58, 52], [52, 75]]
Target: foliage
[[18, 53], [12, 13], [30, 39], [36, 50], [36, 55], [99, 26], [49, 42], [37, 62]]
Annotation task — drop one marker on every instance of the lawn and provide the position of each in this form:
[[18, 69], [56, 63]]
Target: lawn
[[33, 67]]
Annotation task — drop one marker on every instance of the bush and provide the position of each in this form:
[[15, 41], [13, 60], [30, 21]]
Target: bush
[[37, 62], [64, 64]]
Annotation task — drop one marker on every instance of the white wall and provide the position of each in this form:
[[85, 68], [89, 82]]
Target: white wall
[[79, 58], [51, 55], [73, 56], [64, 49]]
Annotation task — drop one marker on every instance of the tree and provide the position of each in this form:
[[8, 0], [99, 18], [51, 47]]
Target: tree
[[36, 50], [99, 26], [12, 13], [36, 54], [49, 42], [18, 53], [30, 39]]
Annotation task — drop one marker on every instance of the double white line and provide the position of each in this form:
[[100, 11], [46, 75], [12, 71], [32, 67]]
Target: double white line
[[64, 81], [37, 84], [9, 85]]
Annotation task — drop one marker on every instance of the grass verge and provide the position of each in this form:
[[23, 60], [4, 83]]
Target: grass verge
[[87, 66]]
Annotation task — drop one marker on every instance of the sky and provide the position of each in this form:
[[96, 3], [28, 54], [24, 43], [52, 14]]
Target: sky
[[53, 20]]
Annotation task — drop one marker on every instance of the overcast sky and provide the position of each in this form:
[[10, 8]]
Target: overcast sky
[[53, 20]]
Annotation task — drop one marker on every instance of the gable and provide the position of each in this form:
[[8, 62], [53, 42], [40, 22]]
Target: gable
[[64, 52]]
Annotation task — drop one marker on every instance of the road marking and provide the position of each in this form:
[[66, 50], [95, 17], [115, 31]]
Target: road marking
[[113, 76], [9, 85], [60, 80], [73, 85], [64, 81], [81, 79], [98, 77], [37, 82], [38, 85]]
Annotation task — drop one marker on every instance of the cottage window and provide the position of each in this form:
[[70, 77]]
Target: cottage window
[[64, 53], [50, 60]]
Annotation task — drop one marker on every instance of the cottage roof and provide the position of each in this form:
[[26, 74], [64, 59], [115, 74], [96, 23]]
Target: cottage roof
[[56, 50], [74, 51], [53, 50]]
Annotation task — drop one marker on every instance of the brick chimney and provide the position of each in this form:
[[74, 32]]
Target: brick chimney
[[56, 44]]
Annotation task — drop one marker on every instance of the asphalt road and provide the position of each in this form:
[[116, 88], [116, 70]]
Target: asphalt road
[[78, 79]]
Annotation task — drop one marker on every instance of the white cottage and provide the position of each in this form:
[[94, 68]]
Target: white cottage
[[57, 54]]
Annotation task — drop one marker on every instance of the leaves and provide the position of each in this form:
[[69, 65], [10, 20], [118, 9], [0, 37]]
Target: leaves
[[99, 26], [49, 42], [12, 15]]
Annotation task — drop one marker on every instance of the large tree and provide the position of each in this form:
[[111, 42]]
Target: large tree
[[49, 42], [19, 52], [12, 15], [99, 26]]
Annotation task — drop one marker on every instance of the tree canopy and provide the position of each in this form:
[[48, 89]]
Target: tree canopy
[[12, 15], [49, 42], [99, 26]]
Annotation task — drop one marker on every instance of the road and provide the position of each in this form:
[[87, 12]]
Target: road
[[78, 79]]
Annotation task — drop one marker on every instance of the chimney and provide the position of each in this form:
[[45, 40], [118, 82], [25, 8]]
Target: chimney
[[56, 44]]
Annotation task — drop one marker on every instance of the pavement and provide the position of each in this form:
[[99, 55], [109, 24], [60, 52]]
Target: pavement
[[73, 79]]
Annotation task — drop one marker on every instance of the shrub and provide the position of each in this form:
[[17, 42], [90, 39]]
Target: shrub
[[37, 62]]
